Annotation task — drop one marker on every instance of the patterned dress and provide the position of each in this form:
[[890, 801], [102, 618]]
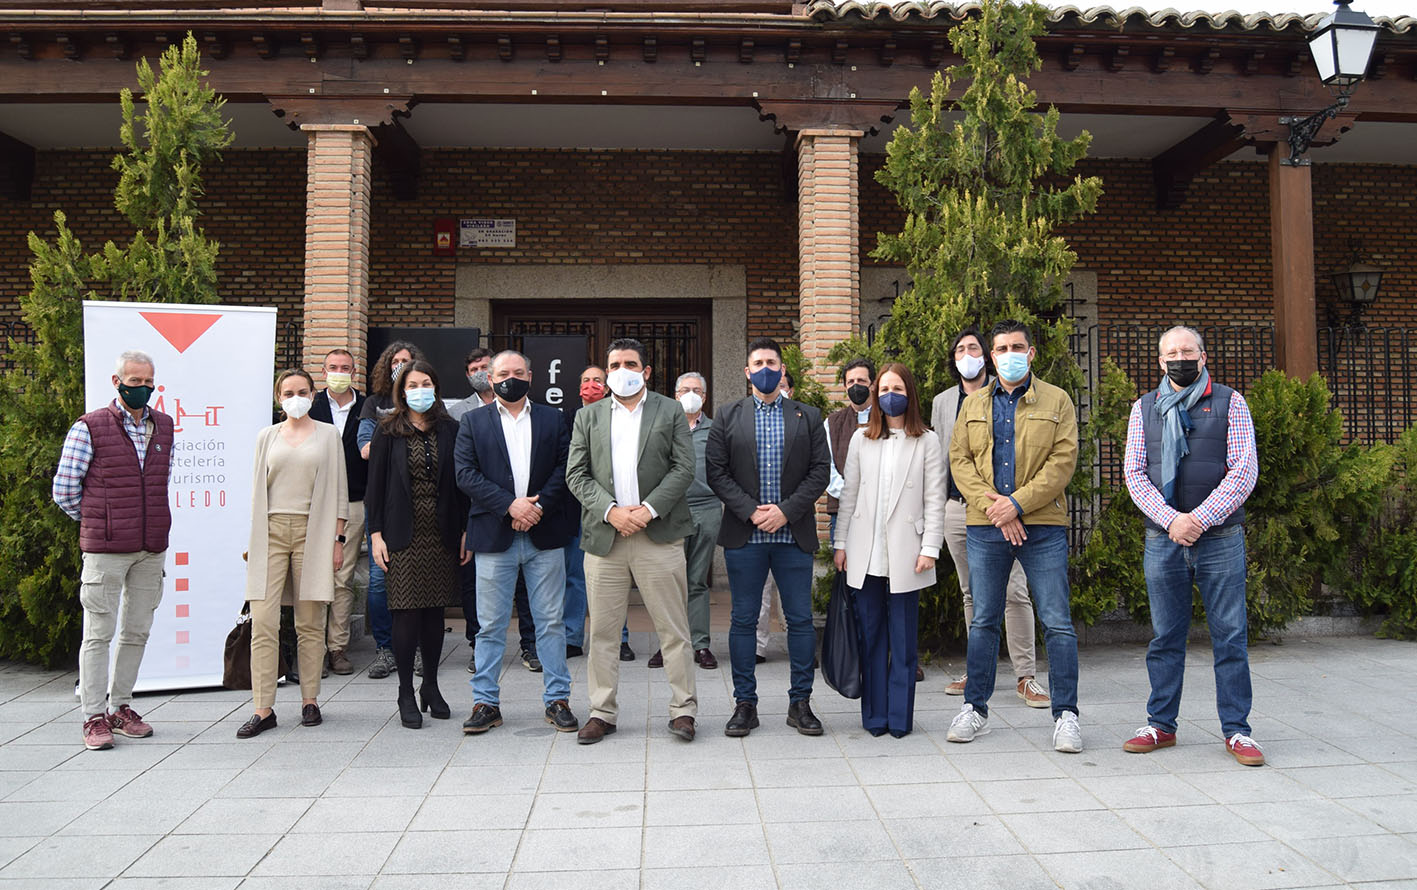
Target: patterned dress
[[424, 574]]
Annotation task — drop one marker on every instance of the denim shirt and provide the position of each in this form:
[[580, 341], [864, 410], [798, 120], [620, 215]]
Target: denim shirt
[[1005, 405]]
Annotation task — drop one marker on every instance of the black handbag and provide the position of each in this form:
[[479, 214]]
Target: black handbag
[[236, 660], [841, 642]]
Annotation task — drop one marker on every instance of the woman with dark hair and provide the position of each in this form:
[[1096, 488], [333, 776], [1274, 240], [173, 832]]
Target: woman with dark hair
[[416, 519], [380, 402], [889, 530], [299, 504]]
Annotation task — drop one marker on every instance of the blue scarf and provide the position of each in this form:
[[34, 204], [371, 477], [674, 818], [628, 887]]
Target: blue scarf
[[1174, 407]]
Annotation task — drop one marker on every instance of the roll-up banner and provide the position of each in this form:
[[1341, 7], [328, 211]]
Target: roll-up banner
[[213, 367]]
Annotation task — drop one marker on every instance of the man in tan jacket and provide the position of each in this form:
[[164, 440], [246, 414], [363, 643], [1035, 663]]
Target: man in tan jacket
[[1012, 452]]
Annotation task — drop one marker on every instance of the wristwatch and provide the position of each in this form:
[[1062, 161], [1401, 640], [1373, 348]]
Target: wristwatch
[[340, 538]]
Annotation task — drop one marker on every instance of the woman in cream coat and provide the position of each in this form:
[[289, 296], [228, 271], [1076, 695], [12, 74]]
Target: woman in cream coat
[[889, 530], [299, 504]]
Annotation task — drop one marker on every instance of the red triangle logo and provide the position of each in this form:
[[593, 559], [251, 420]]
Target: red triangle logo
[[181, 329]]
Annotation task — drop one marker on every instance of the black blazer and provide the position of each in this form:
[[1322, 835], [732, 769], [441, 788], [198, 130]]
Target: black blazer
[[388, 504], [484, 473], [356, 468], [731, 467]]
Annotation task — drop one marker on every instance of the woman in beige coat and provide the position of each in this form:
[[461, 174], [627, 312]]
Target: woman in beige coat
[[889, 530], [299, 504]]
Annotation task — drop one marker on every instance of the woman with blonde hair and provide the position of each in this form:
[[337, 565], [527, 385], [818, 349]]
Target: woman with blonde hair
[[889, 530], [299, 504]]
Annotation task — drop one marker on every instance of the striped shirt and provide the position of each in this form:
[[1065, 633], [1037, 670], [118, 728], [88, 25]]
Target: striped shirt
[[768, 426], [77, 454], [1241, 460]]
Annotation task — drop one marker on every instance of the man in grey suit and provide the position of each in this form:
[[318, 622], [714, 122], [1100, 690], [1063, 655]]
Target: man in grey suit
[[631, 464], [971, 370], [767, 460]]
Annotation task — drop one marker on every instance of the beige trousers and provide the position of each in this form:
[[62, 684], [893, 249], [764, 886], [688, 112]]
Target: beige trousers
[[659, 571], [1018, 608], [337, 626], [114, 585], [285, 556]]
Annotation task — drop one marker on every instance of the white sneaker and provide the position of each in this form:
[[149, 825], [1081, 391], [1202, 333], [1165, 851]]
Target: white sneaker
[[1067, 738], [967, 724]]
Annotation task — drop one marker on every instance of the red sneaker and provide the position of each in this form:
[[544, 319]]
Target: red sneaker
[[126, 722], [1245, 749], [1148, 739], [97, 735]]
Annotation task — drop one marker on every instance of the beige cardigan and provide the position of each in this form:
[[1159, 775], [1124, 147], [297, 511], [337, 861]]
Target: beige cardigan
[[329, 502]]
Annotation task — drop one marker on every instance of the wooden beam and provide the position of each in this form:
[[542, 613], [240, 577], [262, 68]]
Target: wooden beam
[[1174, 168], [364, 111], [16, 168], [400, 155], [1291, 227]]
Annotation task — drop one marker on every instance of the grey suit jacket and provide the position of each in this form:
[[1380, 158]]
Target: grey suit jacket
[[942, 420], [666, 470]]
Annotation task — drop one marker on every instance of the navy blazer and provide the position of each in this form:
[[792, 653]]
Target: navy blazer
[[484, 473]]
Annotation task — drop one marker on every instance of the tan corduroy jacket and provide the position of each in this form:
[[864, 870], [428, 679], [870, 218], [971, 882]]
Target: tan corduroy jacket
[[1045, 447]]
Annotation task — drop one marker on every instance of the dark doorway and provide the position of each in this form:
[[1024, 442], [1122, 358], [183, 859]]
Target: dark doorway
[[676, 332]]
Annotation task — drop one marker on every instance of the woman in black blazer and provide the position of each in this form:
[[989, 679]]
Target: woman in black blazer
[[416, 515]]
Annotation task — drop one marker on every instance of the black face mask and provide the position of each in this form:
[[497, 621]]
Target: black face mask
[[512, 389], [858, 393], [135, 397], [1183, 371]]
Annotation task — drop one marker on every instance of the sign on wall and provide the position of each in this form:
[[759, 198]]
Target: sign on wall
[[487, 233], [213, 374]]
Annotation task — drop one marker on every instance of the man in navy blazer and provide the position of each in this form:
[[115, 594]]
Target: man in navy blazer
[[511, 462]]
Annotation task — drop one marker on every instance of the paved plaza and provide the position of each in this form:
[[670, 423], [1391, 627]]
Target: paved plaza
[[361, 802]]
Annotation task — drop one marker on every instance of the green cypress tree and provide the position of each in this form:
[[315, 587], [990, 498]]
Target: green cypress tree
[[168, 260]]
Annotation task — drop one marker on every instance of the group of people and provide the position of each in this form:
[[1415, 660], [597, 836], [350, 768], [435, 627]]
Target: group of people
[[498, 503]]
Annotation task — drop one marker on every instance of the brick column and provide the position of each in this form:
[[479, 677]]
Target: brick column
[[828, 259], [337, 187], [1291, 228]]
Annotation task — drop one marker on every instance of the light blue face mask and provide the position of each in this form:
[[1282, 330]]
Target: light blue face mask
[[1012, 366], [420, 400]]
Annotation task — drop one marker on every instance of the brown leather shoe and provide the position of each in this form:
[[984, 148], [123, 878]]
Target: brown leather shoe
[[705, 659], [594, 730], [1032, 694], [919, 674], [656, 660], [957, 687], [339, 663], [683, 727]]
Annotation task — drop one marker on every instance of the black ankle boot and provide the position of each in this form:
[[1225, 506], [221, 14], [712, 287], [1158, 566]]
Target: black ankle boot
[[408, 710], [432, 701]]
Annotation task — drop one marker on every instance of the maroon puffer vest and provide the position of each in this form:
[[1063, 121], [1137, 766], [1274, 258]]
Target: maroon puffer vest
[[124, 508]]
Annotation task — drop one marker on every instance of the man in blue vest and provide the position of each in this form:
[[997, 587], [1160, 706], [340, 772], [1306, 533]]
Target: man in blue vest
[[1190, 465]]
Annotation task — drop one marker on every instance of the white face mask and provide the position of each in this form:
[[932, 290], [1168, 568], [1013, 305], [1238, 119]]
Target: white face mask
[[693, 402], [624, 382], [296, 407], [970, 366]]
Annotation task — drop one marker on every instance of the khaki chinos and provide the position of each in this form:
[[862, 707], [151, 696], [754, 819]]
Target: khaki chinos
[[337, 627], [113, 585], [285, 557]]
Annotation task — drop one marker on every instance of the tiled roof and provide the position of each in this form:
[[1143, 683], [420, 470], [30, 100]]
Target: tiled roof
[[901, 10]]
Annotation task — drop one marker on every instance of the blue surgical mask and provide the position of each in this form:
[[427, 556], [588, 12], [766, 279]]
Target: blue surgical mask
[[892, 404], [420, 400], [1012, 366], [766, 379]]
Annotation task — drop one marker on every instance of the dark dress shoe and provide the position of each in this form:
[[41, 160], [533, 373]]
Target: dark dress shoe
[[432, 701], [743, 721], [594, 730], [310, 715], [899, 733], [409, 715], [919, 674], [256, 725], [574, 651], [800, 716], [656, 660], [877, 732], [483, 718], [705, 659], [626, 653], [759, 659], [559, 715], [683, 727]]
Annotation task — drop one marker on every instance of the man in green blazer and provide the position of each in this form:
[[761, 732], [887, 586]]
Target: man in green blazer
[[631, 464]]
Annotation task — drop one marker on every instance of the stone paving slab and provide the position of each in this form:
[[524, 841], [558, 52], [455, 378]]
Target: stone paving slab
[[362, 803]]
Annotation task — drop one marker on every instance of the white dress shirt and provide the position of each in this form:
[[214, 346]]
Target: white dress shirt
[[625, 453], [880, 558], [339, 414], [517, 431]]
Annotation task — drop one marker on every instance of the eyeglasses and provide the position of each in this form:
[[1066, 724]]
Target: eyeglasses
[[688, 389]]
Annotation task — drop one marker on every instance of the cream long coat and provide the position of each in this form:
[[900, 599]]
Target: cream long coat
[[329, 502], [915, 520]]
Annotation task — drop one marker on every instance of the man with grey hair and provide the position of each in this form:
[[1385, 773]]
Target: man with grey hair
[[1190, 464], [112, 478]]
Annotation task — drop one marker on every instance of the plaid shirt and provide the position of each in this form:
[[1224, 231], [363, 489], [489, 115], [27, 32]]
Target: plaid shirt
[[77, 454], [1241, 459], [768, 426]]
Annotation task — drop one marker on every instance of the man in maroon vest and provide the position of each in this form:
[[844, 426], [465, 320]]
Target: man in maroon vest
[[112, 478]]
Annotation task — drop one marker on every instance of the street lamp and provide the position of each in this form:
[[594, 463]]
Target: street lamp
[[1357, 286], [1342, 47]]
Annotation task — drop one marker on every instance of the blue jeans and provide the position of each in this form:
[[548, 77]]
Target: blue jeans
[[889, 625], [1044, 557], [575, 593], [1216, 565], [526, 628], [545, 572], [381, 623], [791, 568]]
